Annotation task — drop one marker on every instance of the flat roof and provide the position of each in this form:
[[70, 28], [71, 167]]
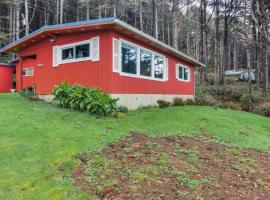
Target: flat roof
[[91, 25]]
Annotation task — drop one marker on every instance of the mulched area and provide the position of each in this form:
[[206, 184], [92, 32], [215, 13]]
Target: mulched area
[[143, 167]]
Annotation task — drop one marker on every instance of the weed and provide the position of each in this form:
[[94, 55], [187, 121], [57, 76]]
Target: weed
[[180, 193], [107, 183], [163, 160], [150, 145], [139, 176], [192, 155], [128, 150], [199, 198], [190, 183]]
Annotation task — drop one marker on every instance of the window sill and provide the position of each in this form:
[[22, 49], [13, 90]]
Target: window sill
[[182, 80], [73, 61], [140, 77]]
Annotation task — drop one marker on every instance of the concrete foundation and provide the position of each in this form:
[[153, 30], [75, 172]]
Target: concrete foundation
[[134, 101]]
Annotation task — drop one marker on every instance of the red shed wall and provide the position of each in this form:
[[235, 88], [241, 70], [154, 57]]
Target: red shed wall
[[92, 74], [131, 85], [6, 78]]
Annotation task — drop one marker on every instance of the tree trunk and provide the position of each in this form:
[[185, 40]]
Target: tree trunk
[[61, 11], [114, 8], [140, 15], [155, 19], [175, 23], [217, 43], [26, 17], [17, 22]]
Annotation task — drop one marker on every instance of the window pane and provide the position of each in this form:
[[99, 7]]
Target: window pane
[[145, 63], [158, 67], [82, 51], [180, 71], [186, 74], [129, 59], [67, 54]]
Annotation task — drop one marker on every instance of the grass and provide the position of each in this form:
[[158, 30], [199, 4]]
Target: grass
[[38, 141]]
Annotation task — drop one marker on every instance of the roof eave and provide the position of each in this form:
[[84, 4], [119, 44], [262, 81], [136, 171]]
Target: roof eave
[[180, 54]]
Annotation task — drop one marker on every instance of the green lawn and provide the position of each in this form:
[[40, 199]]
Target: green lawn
[[36, 138]]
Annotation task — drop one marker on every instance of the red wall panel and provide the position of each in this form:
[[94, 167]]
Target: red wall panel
[[96, 74], [130, 85], [6, 78], [92, 74]]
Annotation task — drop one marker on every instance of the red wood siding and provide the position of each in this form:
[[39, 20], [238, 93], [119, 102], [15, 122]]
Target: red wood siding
[[92, 74], [95, 74], [6, 79], [130, 85]]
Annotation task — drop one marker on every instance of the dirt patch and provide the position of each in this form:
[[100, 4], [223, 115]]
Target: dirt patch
[[142, 167]]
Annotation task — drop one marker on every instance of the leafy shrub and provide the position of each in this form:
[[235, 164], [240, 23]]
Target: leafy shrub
[[122, 109], [81, 98], [163, 104], [190, 102], [263, 109], [177, 101], [231, 105], [230, 81], [248, 101], [206, 100]]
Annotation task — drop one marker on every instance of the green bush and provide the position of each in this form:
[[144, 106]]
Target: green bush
[[163, 104], [190, 102], [177, 101], [206, 100], [81, 98], [122, 109], [263, 109], [248, 101]]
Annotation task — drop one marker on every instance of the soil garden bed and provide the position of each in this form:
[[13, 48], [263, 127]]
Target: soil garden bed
[[143, 167]]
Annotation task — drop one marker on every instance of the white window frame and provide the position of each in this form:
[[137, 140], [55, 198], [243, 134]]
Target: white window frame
[[27, 71], [138, 68], [73, 45], [178, 66]]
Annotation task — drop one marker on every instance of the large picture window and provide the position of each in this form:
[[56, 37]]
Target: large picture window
[[158, 67], [145, 63], [129, 59], [139, 62], [183, 73]]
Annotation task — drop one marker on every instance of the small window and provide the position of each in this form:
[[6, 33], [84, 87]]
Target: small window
[[145, 63], [28, 72], [68, 53], [83, 51], [183, 73], [158, 66], [129, 59]]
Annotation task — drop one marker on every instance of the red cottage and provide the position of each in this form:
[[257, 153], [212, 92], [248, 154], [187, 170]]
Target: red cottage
[[105, 53], [6, 77]]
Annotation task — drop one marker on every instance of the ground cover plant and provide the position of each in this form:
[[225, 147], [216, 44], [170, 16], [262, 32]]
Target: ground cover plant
[[39, 142], [92, 100], [143, 167]]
